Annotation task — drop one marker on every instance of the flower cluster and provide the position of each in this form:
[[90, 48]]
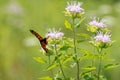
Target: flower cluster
[[53, 34], [104, 38], [97, 23], [74, 9]]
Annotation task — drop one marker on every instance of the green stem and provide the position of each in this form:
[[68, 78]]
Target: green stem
[[49, 59], [78, 70], [92, 62], [59, 62], [75, 51], [100, 62], [74, 38]]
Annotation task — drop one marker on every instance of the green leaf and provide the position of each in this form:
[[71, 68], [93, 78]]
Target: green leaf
[[68, 25], [87, 55], [83, 35], [79, 41], [78, 24], [65, 47], [92, 28], [110, 66], [87, 77], [90, 68], [68, 59], [107, 58], [51, 66], [46, 78], [58, 79], [39, 59], [85, 51], [85, 73]]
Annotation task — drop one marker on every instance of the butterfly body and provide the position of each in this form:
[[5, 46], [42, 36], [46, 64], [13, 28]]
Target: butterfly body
[[43, 41]]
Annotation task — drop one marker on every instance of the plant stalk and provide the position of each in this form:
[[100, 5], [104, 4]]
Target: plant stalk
[[100, 62], [60, 65], [75, 51], [49, 60], [92, 62]]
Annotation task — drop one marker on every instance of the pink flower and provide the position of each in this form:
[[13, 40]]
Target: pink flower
[[55, 34], [97, 23], [74, 7], [103, 37]]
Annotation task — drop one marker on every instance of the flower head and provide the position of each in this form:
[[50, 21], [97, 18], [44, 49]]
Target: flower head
[[97, 23], [74, 7], [54, 34], [104, 38]]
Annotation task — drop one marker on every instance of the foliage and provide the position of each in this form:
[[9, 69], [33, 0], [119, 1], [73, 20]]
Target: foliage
[[21, 56], [66, 54]]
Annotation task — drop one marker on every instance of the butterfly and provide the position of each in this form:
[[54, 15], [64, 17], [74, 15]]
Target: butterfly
[[43, 41]]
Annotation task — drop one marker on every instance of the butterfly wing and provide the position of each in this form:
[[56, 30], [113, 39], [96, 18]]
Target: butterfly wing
[[36, 34], [44, 46], [43, 41]]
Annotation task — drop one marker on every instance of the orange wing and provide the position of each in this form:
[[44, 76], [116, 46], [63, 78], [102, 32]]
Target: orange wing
[[36, 34], [43, 41], [44, 46]]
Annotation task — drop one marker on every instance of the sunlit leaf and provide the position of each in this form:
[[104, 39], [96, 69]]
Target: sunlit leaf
[[68, 25], [84, 51], [83, 35], [68, 59], [39, 59], [78, 24], [51, 66], [110, 66], [46, 78], [107, 59], [92, 28], [66, 66]]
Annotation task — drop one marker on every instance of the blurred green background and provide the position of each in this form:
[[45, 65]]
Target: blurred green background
[[18, 46]]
